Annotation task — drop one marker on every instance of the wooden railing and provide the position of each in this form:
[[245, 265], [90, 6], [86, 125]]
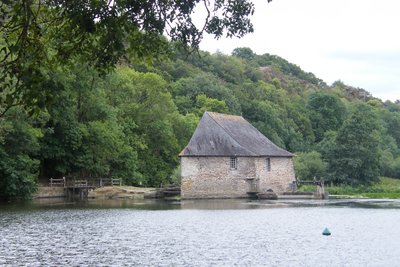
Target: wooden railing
[[57, 182], [82, 182]]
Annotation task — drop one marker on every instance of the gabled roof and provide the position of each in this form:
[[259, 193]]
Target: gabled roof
[[228, 135]]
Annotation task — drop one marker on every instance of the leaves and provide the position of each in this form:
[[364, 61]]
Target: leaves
[[39, 37], [19, 145], [355, 157], [309, 166], [327, 113], [132, 123]]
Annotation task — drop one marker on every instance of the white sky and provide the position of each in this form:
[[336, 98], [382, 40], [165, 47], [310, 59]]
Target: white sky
[[355, 41]]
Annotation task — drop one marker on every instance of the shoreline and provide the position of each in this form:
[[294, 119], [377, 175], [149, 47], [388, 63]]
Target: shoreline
[[106, 192], [132, 192]]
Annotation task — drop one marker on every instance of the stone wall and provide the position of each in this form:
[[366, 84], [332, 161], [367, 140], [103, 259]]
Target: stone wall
[[49, 192], [280, 176], [211, 177]]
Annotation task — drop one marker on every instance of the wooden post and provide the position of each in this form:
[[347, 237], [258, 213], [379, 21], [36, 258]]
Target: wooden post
[[323, 189], [294, 186], [320, 189]]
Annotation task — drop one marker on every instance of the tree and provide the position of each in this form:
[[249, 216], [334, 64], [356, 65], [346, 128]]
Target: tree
[[19, 146], [327, 112], [204, 103], [356, 156], [83, 136], [186, 91], [392, 124], [243, 52], [37, 37], [327, 146], [309, 165], [146, 108], [396, 168]]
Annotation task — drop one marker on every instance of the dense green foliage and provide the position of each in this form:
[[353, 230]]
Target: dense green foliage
[[133, 122], [38, 38], [356, 154], [19, 146], [309, 165]]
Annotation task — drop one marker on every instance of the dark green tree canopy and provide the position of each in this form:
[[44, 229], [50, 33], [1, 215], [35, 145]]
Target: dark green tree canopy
[[327, 112], [309, 165], [243, 52], [38, 37], [355, 157]]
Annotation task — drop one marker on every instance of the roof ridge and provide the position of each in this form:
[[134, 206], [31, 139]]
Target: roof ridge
[[223, 114], [226, 131]]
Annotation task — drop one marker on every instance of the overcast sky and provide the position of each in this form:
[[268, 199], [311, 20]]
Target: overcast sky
[[355, 41]]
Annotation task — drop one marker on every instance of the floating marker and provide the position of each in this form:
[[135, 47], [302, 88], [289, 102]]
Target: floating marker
[[326, 231]]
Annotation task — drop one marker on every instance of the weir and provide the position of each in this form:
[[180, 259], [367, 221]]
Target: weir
[[319, 190]]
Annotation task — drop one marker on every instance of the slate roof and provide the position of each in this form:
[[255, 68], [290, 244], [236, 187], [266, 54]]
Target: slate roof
[[229, 135]]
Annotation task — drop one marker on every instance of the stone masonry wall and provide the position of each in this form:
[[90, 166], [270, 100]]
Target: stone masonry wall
[[49, 192], [211, 177], [280, 176]]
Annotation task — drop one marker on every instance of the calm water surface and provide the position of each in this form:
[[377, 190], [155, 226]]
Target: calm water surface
[[201, 233]]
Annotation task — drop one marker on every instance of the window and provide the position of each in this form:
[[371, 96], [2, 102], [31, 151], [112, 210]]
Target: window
[[268, 164], [233, 163]]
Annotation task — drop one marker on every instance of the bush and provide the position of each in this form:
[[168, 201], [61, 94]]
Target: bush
[[309, 165]]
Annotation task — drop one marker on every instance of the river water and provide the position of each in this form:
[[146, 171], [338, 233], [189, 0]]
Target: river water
[[201, 233]]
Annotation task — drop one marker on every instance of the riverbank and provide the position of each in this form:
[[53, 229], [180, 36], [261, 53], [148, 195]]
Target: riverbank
[[129, 192], [385, 188], [106, 192]]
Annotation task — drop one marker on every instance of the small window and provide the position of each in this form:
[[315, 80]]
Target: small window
[[233, 163], [268, 164]]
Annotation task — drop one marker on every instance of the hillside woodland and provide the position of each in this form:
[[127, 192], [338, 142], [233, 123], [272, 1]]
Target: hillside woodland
[[133, 121]]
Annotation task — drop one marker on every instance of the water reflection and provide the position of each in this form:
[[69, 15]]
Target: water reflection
[[200, 233], [211, 204]]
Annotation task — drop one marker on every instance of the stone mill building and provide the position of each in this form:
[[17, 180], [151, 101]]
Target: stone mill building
[[227, 157]]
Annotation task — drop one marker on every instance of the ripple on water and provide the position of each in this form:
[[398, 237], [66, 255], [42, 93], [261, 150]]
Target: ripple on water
[[289, 236]]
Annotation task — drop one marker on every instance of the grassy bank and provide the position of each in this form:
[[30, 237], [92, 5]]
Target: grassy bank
[[385, 188]]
